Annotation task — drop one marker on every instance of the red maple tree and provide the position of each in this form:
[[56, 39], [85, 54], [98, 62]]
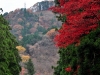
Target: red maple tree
[[82, 16]]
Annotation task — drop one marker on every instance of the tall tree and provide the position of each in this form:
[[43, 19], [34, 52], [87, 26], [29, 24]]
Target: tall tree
[[9, 58], [79, 37], [30, 67], [79, 17], [83, 59]]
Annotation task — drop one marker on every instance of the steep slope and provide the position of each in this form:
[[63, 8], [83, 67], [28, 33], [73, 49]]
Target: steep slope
[[44, 54], [31, 29], [24, 21]]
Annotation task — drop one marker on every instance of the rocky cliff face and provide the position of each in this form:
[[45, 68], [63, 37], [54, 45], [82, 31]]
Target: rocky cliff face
[[41, 6]]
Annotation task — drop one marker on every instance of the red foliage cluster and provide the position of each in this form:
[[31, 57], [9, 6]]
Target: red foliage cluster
[[82, 16], [68, 69]]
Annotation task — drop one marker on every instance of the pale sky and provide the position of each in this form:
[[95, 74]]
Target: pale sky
[[10, 5]]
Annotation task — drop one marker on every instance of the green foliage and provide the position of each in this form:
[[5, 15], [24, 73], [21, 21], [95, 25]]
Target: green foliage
[[25, 30], [9, 58], [30, 67], [27, 14], [61, 18], [31, 39], [30, 16], [68, 57], [5, 14], [41, 29], [86, 55], [22, 23]]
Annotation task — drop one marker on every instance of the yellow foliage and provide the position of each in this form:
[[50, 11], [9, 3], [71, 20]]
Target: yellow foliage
[[51, 33], [25, 58], [20, 48]]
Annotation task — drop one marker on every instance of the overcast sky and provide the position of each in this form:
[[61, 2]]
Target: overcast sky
[[10, 5]]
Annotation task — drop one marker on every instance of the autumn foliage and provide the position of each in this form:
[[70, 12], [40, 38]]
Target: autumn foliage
[[79, 18], [20, 49], [68, 69]]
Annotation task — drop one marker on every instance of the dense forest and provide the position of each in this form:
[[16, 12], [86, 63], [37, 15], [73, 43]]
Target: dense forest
[[63, 40], [33, 31]]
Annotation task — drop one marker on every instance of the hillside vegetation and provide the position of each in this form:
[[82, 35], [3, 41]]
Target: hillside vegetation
[[35, 32]]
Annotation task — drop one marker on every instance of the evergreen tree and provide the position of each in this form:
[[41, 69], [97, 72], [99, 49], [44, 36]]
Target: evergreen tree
[[9, 58], [67, 61], [30, 67], [88, 54], [83, 59]]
